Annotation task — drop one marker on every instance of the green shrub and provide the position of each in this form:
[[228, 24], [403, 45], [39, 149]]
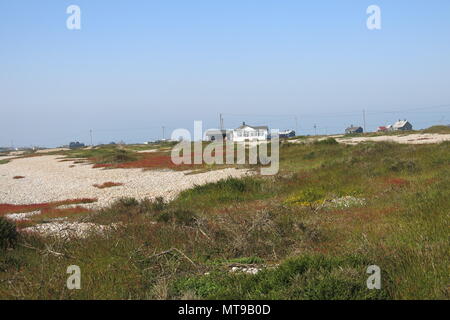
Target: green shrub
[[230, 189], [156, 205], [178, 216], [127, 202], [437, 129], [314, 277], [309, 156], [402, 165], [327, 141], [159, 204], [247, 260], [115, 156], [8, 234]]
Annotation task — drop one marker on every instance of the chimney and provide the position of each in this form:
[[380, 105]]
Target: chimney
[[243, 123]]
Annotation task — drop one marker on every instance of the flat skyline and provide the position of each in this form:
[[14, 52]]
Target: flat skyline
[[138, 65]]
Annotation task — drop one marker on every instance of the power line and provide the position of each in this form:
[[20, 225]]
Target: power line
[[350, 113]]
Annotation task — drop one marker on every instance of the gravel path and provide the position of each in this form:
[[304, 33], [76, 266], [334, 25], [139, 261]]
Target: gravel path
[[49, 179]]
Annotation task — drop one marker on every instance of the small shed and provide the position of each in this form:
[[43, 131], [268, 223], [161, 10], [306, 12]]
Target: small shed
[[216, 134], [353, 129], [76, 145], [287, 134], [402, 125]]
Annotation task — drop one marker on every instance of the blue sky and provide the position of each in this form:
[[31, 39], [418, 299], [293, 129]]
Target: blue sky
[[138, 65]]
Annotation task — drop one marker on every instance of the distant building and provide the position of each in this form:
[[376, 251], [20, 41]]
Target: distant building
[[216, 134], [287, 134], [353, 129], [76, 145], [250, 133], [382, 129], [402, 125]]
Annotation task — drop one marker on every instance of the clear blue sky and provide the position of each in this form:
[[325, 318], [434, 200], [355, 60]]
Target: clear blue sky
[[137, 65]]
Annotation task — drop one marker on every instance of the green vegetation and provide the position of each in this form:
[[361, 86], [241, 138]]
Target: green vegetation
[[104, 154], [186, 248], [433, 129], [438, 129], [296, 278], [327, 141], [8, 234]]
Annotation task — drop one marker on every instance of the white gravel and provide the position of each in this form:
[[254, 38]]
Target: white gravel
[[48, 179], [21, 216], [416, 138]]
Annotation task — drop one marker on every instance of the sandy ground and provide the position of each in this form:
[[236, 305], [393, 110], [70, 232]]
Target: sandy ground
[[48, 179], [416, 138], [52, 150], [7, 157]]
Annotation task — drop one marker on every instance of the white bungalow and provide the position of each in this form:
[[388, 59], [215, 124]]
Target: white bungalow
[[250, 133]]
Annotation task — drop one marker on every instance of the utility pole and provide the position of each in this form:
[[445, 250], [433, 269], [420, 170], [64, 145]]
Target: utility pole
[[221, 121], [163, 129], [315, 129], [364, 119], [90, 132]]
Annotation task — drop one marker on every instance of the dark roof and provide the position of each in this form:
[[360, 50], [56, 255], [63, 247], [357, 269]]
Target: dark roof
[[353, 128], [216, 131], [254, 127]]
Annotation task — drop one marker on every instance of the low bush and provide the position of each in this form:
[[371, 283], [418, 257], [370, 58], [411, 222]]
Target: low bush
[[178, 216], [327, 141], [402, 165], [307, 277], [437, 129], [8, 234], [118, 156]]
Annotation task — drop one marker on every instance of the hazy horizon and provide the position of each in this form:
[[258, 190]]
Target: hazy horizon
[[137, 66]]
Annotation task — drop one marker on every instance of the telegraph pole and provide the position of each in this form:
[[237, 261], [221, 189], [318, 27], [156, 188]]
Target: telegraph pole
[[221, 121], [315, 129], [364, 119], [163, 129], [90, 132]]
